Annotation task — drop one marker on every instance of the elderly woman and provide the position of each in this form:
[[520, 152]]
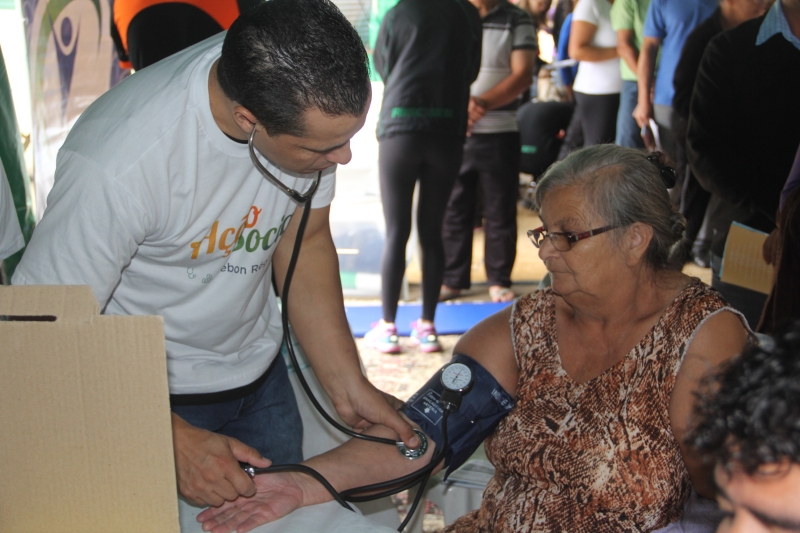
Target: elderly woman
[[603, 366]]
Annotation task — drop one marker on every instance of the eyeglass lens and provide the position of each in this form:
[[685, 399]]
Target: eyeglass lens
[[558, 240]]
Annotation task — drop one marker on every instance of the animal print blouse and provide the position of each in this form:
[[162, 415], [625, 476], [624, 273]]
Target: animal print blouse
[[597, 456]]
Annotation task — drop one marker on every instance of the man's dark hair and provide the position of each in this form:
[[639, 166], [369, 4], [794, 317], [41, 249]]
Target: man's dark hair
[[753, 417], [284, 57]]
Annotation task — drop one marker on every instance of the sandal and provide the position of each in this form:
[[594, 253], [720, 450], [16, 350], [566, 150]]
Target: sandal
[[447, 293], [500, 294]]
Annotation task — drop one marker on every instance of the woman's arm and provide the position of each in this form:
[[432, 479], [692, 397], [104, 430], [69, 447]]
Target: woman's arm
[[358, 462], [580, 47], [489, 343], [721, 337]]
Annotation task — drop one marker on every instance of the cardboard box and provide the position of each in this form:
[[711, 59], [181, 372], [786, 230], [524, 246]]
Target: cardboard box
[[85, 432]]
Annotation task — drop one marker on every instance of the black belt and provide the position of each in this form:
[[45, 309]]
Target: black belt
[[208, 398]]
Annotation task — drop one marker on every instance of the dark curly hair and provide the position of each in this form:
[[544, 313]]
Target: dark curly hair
[[749, 414], [283, 57]]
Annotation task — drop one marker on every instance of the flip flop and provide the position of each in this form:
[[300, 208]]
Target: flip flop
[[501, 294], [446, 293]]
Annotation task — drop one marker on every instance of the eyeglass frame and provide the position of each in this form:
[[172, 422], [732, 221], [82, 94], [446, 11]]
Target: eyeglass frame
[[571, 236]]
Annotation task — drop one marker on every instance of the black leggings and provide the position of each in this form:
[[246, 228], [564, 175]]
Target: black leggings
[[405, 159], [593, 122]]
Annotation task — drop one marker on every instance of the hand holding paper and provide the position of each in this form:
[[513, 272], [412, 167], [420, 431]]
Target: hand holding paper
[[743, 261]]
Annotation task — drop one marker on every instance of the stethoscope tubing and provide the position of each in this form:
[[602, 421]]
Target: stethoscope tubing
[[298, 197], [420, 476]]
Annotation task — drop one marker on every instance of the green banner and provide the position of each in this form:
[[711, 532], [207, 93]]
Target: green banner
[[11, 155]]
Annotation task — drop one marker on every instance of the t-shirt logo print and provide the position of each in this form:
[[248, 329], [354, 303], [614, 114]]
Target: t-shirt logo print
[[249, 240]]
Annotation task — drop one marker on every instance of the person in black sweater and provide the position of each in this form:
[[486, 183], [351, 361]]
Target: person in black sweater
[[427, 53], [744, 126], [729, 14]]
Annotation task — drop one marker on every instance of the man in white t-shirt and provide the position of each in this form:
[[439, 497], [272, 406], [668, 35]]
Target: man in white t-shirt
[[158, 207], [491, 153]]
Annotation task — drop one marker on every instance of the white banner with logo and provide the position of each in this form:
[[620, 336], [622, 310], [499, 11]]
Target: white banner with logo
[[72, 61]]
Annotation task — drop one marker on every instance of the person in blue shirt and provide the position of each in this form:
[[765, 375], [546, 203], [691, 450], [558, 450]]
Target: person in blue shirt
[[567, 73], [667, 25]]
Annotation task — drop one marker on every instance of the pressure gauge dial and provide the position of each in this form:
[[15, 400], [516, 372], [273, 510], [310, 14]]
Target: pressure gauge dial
[[456, 377]]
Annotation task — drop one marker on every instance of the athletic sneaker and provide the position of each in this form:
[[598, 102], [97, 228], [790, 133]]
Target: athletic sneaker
[[424, 336], [383, 337]]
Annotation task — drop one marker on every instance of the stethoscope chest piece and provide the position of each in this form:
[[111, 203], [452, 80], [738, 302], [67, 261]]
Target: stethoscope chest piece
[[414, 453]]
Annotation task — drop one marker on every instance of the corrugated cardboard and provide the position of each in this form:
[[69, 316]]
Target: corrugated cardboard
[[85, 433]]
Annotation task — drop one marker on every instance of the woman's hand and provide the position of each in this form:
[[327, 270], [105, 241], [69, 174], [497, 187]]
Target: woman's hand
[[276, 496]]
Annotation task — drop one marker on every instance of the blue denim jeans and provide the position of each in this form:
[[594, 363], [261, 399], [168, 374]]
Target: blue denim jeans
[[628, 131], [268, 419]]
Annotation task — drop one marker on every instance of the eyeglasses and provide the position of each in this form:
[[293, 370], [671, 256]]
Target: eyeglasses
[[563, 241]]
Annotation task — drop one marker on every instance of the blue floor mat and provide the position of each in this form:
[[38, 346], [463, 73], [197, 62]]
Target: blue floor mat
[[452, 318]]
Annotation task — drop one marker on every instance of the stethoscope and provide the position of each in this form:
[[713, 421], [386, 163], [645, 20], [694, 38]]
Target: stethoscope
[[386, 488], [300, 199]]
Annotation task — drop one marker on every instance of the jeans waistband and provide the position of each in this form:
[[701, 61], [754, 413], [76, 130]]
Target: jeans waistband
[[230, 395]]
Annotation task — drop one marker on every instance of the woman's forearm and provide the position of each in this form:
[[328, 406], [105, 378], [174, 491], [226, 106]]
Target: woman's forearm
[[580, 43], [358, 462], [593, 53]]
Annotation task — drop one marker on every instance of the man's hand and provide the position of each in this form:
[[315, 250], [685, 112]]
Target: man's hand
[[361, 404], [316, 311], [769, 250], [207, 465], [475, 111], [645, 71], [642, 113]]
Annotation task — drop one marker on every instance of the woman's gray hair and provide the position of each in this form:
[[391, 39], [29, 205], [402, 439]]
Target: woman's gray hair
[[623, 187]]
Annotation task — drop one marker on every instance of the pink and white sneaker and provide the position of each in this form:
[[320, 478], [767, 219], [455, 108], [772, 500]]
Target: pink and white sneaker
[[383, 337], [424, 336]]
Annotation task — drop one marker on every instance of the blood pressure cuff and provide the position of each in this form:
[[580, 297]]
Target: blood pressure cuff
[[482, 408]]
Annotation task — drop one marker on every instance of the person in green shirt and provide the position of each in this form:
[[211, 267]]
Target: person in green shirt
[[627, 19]]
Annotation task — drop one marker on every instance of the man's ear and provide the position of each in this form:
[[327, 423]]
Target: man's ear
[[244, 119], [637, 240]]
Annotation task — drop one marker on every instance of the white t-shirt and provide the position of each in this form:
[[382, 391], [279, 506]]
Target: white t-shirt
[[11, 240], [598, 77], [148, 201]]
